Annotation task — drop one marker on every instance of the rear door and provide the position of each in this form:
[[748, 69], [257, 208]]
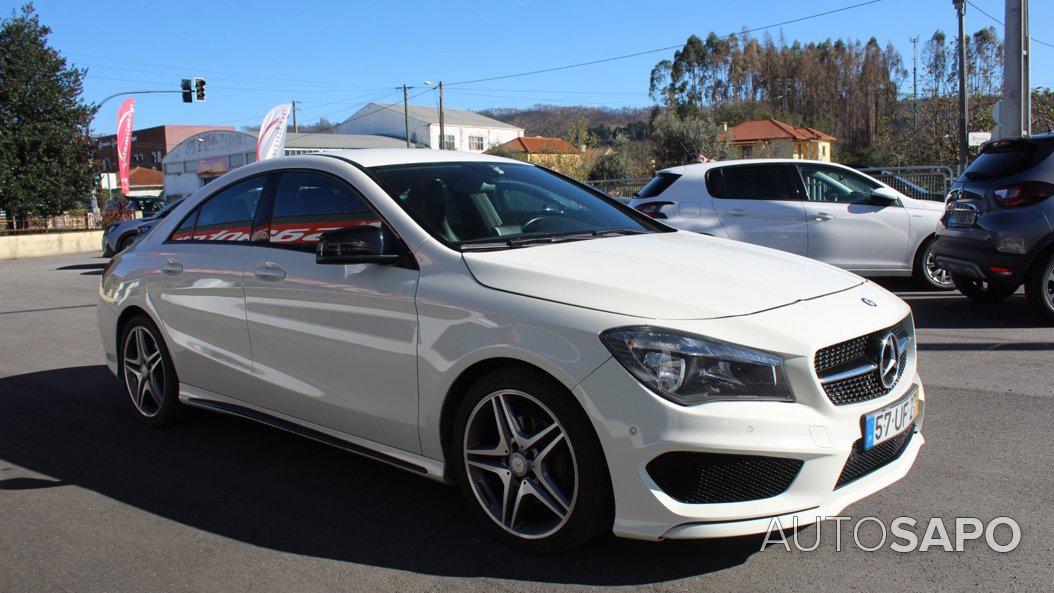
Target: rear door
[[760, 204], [849, 230], [198, 290], [335, 345]]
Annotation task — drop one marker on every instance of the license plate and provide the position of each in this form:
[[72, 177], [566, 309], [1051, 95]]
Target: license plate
[[891, 420], [961, 219]]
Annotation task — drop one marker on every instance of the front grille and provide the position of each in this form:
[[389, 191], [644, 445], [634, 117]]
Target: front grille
[[861, 462], [702, 478], [860, 354]]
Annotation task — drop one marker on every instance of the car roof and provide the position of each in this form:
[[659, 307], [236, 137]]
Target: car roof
[[379, 157], [698, 169]]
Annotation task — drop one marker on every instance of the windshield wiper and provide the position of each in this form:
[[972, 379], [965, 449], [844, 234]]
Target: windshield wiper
[[547, 239]]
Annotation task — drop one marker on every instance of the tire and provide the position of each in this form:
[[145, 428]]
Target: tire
[[563, 472], [155, 401], [107, 252], [125, 243], [980, 290], [926, 272], [1040, 286]]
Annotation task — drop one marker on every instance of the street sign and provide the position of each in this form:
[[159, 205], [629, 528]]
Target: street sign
[[978, 138]]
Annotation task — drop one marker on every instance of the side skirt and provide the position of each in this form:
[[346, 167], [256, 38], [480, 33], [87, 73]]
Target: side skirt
[[402, 460]]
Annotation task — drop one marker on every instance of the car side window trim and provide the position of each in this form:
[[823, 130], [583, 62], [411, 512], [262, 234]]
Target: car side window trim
[[268, 187]]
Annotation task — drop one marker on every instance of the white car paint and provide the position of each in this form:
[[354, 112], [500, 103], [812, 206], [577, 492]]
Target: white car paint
[[870, 240], [368, 354]]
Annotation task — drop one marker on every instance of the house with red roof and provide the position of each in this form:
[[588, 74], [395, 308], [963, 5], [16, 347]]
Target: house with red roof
[[770, 138], [540, 150]]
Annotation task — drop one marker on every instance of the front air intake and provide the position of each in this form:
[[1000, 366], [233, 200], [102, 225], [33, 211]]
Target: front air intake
[[707, 478]]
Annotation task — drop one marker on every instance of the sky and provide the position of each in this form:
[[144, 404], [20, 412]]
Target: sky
[[334, 57]]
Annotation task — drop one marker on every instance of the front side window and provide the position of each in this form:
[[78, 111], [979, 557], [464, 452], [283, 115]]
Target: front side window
[[308, 204], [753, 182], [500, 205], [226, 216], [836, 185]]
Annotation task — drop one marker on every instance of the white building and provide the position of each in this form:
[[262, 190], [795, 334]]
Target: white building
[[205, 156], [465, 130]]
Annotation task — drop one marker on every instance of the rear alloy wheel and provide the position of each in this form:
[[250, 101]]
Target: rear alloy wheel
[[530, 466], [147, 373], [928, 273], [982, 290], [1040, 287]]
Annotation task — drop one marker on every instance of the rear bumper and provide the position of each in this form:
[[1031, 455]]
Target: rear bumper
[[976, 259]]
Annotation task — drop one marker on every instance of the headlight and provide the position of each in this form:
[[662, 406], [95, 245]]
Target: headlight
[[692, 369]]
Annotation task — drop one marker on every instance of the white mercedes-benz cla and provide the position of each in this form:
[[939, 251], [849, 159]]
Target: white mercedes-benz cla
[[573, 365]]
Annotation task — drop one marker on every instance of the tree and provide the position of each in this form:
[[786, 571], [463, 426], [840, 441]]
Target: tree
[[45, 147], [679, 140]]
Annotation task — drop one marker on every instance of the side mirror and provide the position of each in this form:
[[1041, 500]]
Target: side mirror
[[358, 245], [884, 196]]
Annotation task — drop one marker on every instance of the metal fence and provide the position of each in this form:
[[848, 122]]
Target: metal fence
[[63, 223], [929, 182], [622, 189]]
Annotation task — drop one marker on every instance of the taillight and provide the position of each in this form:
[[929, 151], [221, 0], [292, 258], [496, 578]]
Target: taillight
[[653, 209], [1025, 193]]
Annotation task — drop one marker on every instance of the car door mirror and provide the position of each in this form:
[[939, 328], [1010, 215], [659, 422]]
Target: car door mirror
[[365, 244], [884, 196]]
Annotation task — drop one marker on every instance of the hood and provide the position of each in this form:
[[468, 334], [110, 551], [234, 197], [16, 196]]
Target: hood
[[678, 275]]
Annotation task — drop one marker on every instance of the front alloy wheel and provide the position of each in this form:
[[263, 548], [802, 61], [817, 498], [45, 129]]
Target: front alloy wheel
[[529, 463], [521, 467]]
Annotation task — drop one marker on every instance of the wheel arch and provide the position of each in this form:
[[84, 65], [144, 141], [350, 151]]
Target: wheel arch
[[925, 242]]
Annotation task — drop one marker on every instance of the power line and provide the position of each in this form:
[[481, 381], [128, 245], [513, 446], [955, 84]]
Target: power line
[[1000, 23], [662, 49], [351, 119]]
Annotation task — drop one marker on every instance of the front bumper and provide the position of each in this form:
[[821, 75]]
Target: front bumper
[[821, 438]]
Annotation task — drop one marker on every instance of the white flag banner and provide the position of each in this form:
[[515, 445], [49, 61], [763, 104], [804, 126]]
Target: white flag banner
[[271, 141]]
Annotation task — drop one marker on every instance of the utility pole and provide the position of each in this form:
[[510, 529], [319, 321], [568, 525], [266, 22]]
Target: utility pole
[[295, 128], [442, 127], [406, 116], [1015, 109], [964, 148], [915, 80]]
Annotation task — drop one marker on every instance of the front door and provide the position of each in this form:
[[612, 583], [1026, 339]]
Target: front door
[[847, 228], [760, 204], [335, 345], [198, 291]]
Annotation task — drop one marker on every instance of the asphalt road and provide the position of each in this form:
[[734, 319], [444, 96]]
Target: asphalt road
[[90, 500]]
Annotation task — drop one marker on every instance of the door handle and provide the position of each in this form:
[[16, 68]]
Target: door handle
[[171, 267], [737, 212], [269, 271], [822, 216]]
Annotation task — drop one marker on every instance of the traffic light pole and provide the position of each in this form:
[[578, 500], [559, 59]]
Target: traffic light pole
[[123, 93]]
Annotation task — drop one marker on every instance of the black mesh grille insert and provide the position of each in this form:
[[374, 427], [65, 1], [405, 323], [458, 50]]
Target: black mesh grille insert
[[700, 478], [861, 462], [855, 353]]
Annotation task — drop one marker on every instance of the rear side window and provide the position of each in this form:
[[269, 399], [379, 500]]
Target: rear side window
[[226, 216], [1007, 157], [309, 204], [753, 182], [658, 185]]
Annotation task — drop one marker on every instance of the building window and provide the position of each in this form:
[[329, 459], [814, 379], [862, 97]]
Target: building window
[[138, 157], [448, 142], [156, 156], [190, 167], [235, 161], [475, 143], [173, 168], [250, 157]]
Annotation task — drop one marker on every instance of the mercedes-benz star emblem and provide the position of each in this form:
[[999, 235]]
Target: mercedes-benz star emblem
[[889, 361], [869, 302]]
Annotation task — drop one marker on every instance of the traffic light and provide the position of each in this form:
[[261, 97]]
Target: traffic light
[[199, 88], [188, 94]]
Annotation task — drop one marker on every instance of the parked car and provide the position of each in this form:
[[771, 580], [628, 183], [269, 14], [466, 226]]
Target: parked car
[[119, 235], [573, 365], [817, 209], [998, 230], [145, 205]]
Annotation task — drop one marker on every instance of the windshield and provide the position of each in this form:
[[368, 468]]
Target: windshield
[[500, 205], [168, 208]]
